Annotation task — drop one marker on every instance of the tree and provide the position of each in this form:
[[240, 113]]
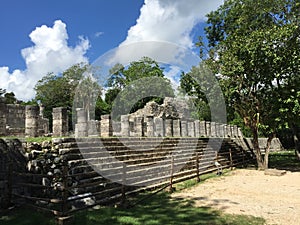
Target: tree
[[10, 98], [249, 44], [141, 78], [59, 90]]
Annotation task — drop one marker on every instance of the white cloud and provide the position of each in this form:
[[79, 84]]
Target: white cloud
[[98, 34], [170, 20], [50, 53], [163, 21]]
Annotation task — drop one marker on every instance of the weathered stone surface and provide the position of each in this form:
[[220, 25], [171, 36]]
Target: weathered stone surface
[[274, 172], [106, 126], [159, 127], [172, 108], [169, 127], [31, 121], [60, 125]]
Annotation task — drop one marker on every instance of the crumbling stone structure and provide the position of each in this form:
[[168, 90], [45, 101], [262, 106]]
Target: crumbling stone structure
[[19, 120], [170, 119]]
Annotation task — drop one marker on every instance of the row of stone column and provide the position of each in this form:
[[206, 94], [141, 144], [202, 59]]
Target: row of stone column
[[85, 128], [152, 127], [159, 127]]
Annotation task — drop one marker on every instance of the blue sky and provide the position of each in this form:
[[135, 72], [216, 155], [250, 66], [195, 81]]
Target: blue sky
[[38, 37]]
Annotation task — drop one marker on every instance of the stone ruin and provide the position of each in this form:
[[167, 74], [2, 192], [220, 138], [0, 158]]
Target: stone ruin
[[22, 121], [170, 119]]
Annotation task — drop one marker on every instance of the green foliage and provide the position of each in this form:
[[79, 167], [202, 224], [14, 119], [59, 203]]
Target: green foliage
[[249, 45], [61, 90], [202, 86], [132, 87], [10, 98]]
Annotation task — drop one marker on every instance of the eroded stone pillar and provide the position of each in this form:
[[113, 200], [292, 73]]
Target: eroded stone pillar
[[81, 127], [93, 128], [184, 128], [139, 122], [106, 126], [202, 129], [31, 120], [169, 127], [125, 129], [159, 127], [208, 129], [197, 128], [150, 126], [176, 128], [191, 128], [60, 125], [235, 131]]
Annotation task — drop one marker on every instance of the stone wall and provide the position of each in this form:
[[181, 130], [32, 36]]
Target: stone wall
[[19, 120], [60, 172]]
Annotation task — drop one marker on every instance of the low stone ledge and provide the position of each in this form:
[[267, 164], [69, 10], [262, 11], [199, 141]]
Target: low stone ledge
[[274, 172]]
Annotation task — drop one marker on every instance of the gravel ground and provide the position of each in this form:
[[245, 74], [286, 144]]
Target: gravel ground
[[251, 192]]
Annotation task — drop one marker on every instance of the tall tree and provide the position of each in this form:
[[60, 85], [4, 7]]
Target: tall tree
[[255, 46], [59, 90], [141, 78]]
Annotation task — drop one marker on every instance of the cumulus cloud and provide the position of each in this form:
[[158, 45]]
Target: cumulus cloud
[[50, 53], [169, 21]]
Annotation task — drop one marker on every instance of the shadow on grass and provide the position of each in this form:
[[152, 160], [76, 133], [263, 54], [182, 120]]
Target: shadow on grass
[[284, 160], [161, 209], [157, 210]]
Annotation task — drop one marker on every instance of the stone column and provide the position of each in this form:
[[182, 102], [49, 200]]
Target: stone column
[[184, 128], [218, 130], [176, 128], [240, 133], [235, 131], [125, 130], [93, 128], [213, 129], [159, 127], [60, 125], [191, 128], [106, 126], [81, 127], [202, 129], [228, 131], [231, 131], [150, 126], [222, 130], [138, 122], [169, 127], [31, 121], [2, 118], [197, 128], [208, 130]]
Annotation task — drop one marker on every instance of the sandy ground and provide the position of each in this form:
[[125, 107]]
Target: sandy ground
[[250, 192]]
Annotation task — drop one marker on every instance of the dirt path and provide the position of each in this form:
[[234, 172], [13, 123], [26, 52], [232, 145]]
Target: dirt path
[[250, 192]]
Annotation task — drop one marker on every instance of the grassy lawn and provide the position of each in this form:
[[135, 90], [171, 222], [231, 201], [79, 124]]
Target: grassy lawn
[[159, 209], [284, 160]]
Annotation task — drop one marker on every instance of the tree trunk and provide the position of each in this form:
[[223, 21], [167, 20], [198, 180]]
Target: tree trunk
[[296, 141], [266, 160], [256, 148]]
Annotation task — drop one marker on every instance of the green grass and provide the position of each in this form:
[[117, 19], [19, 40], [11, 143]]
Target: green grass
[[29, 139], [192, 182], [157, 210], [285, 160]]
